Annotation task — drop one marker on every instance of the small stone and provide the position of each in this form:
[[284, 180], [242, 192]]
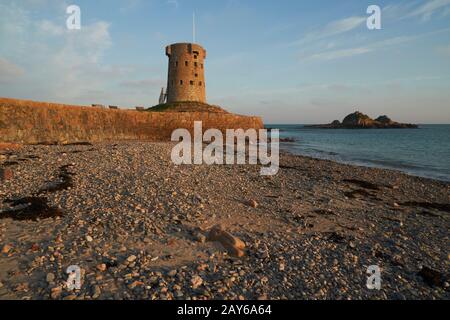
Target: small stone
[[200, 238], [89, 239], [135, 284], [56, 292], [253, 204], [232, 244], [131, 258], [196, 282], [50, 277], [6, 248], [70, 297], [101, 267], [281, 266], [96, 292], [172, 273]]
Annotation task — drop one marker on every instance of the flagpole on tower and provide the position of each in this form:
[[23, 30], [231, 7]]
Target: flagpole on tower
[[193, 26]]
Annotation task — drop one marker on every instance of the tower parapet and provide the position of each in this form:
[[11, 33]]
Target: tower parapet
[[186, 77]]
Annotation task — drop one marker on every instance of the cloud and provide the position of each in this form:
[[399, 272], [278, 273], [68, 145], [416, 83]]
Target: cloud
[[9, 71], [379, 45], [336, 54], [332, 29], [60, 64], [411, 9], [426, 10], [50, 28]]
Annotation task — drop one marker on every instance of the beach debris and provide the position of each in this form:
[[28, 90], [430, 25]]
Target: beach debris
[[232, 244], [428, 205], [80, 143], [10, 163], [355, 194], [363, 184], [337, 237], [30, 208], [431, 277], [65, 183]]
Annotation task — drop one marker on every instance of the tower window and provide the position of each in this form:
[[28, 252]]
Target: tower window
[[195, 57], [200, 83], [196, 75], [176, 63], [192, 83], [202, 65], [186, 63], [181, 82], [195, 63]]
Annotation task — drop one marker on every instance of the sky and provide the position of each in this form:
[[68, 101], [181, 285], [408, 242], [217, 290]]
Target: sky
[[289, 61]]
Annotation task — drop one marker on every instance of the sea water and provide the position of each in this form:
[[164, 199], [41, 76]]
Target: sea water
[[422, 152]]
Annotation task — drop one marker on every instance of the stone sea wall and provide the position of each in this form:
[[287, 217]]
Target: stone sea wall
[[31, 122]]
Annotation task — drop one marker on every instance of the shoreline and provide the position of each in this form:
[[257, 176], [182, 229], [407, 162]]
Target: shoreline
[[138, 227], [363, 165]]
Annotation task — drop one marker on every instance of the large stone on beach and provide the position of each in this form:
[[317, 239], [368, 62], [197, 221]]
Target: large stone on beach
[[232, 244]]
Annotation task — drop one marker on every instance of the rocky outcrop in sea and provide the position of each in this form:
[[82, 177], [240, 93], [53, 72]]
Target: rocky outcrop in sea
[[359, 120]]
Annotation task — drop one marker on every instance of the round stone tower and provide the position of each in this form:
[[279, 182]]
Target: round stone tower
[[186, 80]]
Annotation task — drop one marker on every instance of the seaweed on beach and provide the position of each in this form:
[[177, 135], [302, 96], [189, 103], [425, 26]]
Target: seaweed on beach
[[82, 143], [428, 205], [30, 208], [354, 194], [363, 184], [65, 183]]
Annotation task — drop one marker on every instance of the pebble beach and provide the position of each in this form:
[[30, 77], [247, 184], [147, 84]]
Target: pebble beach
[[137, 226]]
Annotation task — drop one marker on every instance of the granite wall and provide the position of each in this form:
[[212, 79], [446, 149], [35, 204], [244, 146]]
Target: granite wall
[[31, 122]]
